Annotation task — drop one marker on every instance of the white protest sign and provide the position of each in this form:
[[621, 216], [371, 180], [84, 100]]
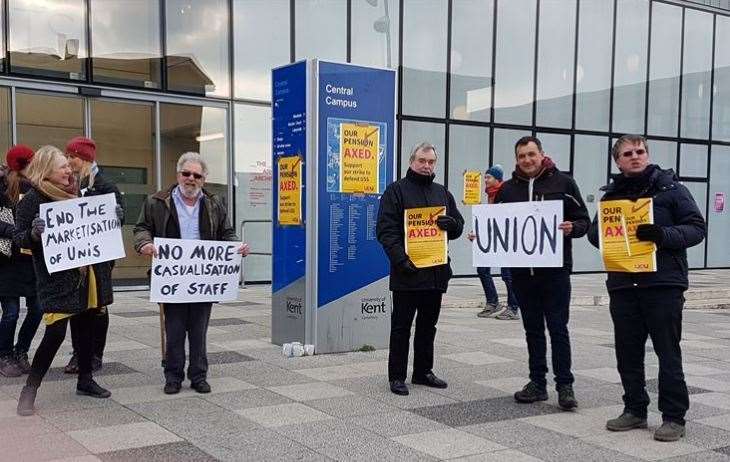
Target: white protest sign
[[81, 232], [518, 234], [191, 271]]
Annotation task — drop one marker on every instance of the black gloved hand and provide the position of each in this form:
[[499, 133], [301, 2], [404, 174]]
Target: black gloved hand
[[446, 223], [407, 267], [37, 226], [647, 232]]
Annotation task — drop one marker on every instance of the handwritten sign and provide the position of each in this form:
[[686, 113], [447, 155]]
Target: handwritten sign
[[290, 190], [189, 271], [621, 250], [472, 187], [518, 234], [359, 147], [426, 243], [81, 232]]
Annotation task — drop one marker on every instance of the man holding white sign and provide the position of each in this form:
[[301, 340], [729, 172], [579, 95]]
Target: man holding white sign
[[541, 278], [187, 211]]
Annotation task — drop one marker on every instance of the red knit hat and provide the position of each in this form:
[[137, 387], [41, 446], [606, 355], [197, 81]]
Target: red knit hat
[[18, 157], [83, 148]]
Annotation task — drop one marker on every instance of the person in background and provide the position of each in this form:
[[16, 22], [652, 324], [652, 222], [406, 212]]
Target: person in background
[[17, 276], [65, 296], [81, 155], [492, 185]]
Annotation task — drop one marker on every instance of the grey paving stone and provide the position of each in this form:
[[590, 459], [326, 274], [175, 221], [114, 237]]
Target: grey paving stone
[[706, 456], [481, 411], [395, 423], [350, 406], [567, 448], [369, 450], [91, 418], [652, 386], [513, 433], [227, 357], [706, 436], [310, 391], [227, 322], [245, 399], [283, 414], [134, 314], [448, 443], [126, 436], [178, 452], [110, 368]]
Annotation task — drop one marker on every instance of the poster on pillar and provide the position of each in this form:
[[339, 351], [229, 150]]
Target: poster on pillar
[[355, 162]]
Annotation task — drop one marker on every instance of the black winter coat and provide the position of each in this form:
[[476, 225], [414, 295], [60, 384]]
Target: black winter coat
[[674, 210], [64, 291], [550, 184], [17, 277], [413, 191]]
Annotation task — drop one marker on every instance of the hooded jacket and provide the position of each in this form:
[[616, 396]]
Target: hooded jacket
[[549, 184], [412, 191], [675, 211]]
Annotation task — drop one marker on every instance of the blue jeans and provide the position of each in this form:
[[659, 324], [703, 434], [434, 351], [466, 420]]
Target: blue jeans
[[485, 276], [9, 320]]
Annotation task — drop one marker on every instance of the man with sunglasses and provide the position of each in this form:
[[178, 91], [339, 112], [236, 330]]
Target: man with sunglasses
[[650, 304], [185, 211]]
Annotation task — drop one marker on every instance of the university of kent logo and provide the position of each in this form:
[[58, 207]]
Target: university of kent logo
[[293, 307], [370, 308]]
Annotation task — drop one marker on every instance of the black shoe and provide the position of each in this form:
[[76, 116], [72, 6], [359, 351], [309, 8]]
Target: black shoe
[[399, 387], [531, 393], [9, 366], [626, 421], [429, 380], [172, 388], [201, 386], [566, 398], [669, 431], [95, 364], [21, 357], [26, 401], [73, 365], [88, 387]]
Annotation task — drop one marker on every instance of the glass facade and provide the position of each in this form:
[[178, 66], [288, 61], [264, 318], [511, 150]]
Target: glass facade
[[150, 79]]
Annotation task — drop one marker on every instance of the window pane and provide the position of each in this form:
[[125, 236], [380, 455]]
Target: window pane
[[320, 29], [664, 69], [718, 223], [515, 63], [589, 170], [5, 121], [468, 150], [260, 43], [693, 160], [471, 59], [557, 147], [417, 132], [721, 101], [696, 74], [555, 63], [48, 38], [503, 151], [199, 129], [663, 153], [424, 57], [126, 42], [374, 30], [45, 119], [126, 156], [593, 79], [632, 26], [197, 46], [253, 185], [696, 254]]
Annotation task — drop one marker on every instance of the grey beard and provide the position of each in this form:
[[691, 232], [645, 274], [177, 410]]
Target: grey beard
[[190, 194]]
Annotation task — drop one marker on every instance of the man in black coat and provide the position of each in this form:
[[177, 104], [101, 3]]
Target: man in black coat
[[544, 293], [415, 289], [650, 304]]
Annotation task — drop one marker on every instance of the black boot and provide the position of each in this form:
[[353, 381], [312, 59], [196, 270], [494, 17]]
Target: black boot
[[86, 386], [26, 401]]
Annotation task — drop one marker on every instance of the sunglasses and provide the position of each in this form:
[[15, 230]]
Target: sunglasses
[[186, 174], [638, 152]]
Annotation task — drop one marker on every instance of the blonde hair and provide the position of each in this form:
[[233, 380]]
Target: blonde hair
[[87, 172], [43, 163]]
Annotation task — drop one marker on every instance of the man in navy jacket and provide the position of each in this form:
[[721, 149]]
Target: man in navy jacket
[[650, 304]]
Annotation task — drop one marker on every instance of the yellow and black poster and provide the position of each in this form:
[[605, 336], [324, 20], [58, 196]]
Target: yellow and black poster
[[290, 190], [426, 243], [359, 147], [620, 249], [472, 187]]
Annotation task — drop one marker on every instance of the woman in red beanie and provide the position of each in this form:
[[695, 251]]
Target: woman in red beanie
[[81, 155], [17, 277]]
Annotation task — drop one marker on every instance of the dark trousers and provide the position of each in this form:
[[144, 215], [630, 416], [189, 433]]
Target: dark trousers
[[656, 313], [9, 322], [545, 299], [191, 320], [405, 305], [100, 330], [490, 291], [51, 342]]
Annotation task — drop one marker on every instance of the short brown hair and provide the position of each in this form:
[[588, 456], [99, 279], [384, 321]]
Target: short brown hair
[[630, 139]]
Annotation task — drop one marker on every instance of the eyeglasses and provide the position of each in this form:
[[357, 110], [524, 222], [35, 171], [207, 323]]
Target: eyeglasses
[[638, 152], [186, 174]]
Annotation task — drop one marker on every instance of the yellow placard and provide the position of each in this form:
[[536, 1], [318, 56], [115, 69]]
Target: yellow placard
[[621, 250], [426, 243], [359, 146], [290, 190], [472, 187]]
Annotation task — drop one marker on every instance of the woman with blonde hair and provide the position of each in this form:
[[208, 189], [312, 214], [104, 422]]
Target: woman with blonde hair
[[65, 296]]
